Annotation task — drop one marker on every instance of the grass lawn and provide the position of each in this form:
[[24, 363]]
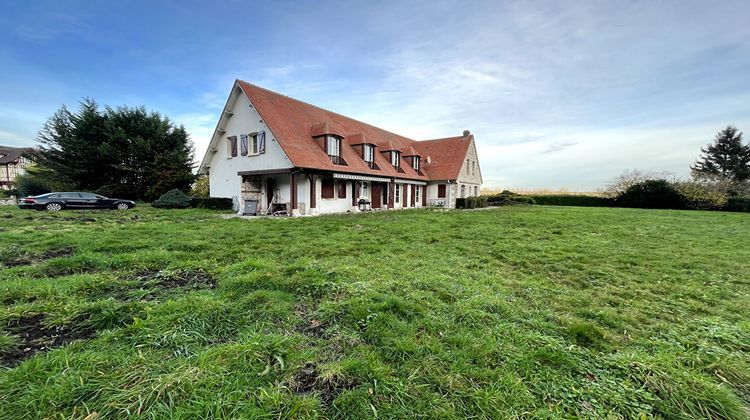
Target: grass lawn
[[511, 312]]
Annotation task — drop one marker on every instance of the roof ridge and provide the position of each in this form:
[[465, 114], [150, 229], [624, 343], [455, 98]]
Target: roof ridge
[[327, 110], [443, 139]]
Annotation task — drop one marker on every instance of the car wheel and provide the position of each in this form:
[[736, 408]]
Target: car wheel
[[53, 207], [122, 206]]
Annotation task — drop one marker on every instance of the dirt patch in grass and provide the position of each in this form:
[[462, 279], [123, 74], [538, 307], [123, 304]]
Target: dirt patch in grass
[[155, 282], [27, 259], [34, 337], [308, 381], [310, 325], [162, 279]]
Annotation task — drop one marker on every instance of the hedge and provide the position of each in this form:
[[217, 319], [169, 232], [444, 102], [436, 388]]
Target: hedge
[[507, 198], [471, 202], [212, 203], [573, 200], [738, 204]]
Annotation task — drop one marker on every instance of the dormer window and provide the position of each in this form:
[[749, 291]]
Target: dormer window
[[415, 163], [395, 158], [368, 154], [333, 148]]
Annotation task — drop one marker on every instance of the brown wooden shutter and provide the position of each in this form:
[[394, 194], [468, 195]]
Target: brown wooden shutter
[[355, 193], [391, 193], [233, 145], [424, 196], [377, 195], [326, 188], [342, 189], [414, 195], [441, 191]]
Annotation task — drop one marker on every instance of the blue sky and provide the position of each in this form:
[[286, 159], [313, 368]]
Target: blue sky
[[558, 94]]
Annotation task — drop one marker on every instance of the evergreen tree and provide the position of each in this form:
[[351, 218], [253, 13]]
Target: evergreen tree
[[726, 158], [124, 152]]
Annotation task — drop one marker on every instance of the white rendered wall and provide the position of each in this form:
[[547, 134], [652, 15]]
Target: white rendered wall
[[223, 178]]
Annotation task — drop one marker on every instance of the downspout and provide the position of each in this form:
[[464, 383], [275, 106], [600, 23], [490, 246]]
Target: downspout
[[449, 193]]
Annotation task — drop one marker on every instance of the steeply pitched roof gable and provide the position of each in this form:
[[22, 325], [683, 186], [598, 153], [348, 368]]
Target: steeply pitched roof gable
[[446, 156]]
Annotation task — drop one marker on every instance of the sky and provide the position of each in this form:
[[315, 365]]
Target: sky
[[558, 94]]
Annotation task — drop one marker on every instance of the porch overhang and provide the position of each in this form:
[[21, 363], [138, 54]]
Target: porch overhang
[[266, 172], [409, 181], [355, 177]]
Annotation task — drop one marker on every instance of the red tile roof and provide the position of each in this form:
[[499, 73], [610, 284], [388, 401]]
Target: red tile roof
[[294, 123], [446, 156]]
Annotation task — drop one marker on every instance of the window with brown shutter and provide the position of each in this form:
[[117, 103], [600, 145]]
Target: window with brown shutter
[[232, 141], [326, 189], [342, 189], [441, 191]]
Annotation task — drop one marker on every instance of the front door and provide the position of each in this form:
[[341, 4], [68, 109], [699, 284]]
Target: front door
[[377, 195]]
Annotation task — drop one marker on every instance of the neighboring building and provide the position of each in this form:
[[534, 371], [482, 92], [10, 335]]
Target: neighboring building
[[13, 162], [272, 153]]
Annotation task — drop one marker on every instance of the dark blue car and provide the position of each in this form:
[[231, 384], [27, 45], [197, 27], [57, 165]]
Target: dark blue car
[[57, 201]]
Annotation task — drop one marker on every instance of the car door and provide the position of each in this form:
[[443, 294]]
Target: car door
[[90, 201], [71, 200]]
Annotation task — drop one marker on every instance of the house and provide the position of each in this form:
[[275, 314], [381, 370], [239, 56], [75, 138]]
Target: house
[[275, 154], [13, 162]]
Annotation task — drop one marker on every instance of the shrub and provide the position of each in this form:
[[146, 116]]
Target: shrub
[[703, 195], [471, 202], [738, 204], [573, 200], [28, 184], [200, 187], [507, 198], [651, 194], [212, 203], [173, 199], [477, 202], [629, 178]]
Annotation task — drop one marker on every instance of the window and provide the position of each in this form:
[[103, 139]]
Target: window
[[363, 191], [468, 166], [254, 149], [476, 191], [232, 146], [473, 167], [368, 154], [463, 191], [397, 194], [417, 191], [441, 191], [342, 189], [395, 158], [326, 190], [333, 148], [415, 163]]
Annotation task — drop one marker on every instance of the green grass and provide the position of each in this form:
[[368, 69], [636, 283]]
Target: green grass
[[536, 311]]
